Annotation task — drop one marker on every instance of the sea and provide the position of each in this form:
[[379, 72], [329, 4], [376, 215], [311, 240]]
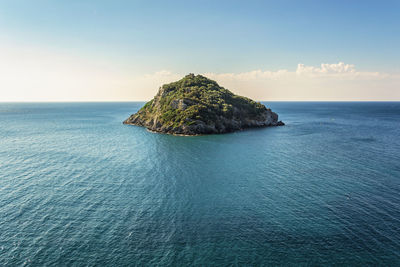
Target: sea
[[79, 188]]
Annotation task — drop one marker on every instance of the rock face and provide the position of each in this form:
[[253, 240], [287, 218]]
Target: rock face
[[197, 105]]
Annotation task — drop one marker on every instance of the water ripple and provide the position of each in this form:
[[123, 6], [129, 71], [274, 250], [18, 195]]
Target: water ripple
[[87, 190]]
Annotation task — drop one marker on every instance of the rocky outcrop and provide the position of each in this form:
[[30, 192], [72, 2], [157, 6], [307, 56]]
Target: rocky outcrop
[[196, 105]]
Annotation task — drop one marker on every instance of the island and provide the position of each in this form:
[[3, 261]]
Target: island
[[196, 105]]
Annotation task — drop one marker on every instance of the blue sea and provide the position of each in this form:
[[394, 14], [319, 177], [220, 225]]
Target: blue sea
[[79, 188]]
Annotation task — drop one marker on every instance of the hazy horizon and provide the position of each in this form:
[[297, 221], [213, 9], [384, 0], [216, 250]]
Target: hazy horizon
[[142, 101]]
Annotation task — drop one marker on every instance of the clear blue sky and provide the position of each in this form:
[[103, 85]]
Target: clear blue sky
[[216, 36], [47, 41]]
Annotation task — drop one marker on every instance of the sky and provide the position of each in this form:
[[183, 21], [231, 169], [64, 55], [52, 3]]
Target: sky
[[267, 50]]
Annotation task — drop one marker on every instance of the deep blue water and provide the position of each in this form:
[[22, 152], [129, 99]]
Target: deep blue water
[[77, 187]]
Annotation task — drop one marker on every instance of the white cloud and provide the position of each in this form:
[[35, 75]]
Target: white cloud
[[251, 75], [337, 81], [337, 70]]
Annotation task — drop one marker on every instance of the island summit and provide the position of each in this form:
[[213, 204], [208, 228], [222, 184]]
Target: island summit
[[197, 105]]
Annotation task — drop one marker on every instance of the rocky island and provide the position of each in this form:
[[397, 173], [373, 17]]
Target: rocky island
[[197, 105]]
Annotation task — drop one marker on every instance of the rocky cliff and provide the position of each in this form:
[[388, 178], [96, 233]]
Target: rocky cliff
[[197, 105]]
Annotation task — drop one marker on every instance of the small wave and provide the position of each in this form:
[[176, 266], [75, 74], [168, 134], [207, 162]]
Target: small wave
[[364, 139]]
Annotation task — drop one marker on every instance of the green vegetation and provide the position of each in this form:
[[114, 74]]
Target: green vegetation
[[197, 98]]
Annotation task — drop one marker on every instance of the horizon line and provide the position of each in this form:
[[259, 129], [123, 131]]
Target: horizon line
[[132, 101]]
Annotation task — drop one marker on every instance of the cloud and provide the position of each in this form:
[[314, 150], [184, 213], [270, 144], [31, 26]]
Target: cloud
[[251, 75], [337, 81], [160, 74], [337, 70]]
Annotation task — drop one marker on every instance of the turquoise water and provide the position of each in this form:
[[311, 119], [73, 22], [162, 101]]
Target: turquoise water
[[77, 187]]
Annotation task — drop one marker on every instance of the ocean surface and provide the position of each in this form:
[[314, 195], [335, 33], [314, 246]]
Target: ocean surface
[[79, 188]]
